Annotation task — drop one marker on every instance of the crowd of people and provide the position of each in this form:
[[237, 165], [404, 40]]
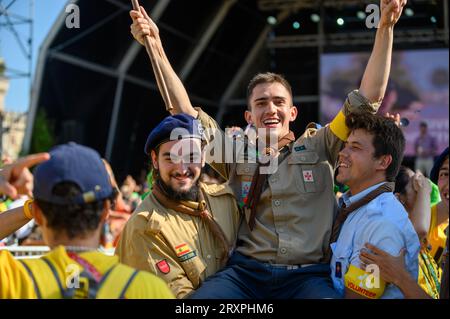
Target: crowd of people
[[129, 198], [268, 224]]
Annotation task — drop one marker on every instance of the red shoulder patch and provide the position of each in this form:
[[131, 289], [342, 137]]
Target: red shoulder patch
[[163, 266]]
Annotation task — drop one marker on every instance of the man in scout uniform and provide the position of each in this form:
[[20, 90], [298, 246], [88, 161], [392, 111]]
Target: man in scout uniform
[[184, 230], [289, 212], [369, 211], [72, 197]]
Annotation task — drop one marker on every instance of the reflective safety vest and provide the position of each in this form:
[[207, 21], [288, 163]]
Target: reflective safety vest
[[80, 283]]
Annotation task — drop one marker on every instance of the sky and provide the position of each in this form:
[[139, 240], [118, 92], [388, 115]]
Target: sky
[[45, 14]]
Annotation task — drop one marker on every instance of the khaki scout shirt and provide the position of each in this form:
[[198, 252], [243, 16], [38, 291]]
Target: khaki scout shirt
[[178, 247], [295, 213]]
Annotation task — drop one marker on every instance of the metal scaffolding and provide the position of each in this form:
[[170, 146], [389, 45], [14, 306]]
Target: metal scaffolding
[[413, 35], [16, 23], [273, 5]]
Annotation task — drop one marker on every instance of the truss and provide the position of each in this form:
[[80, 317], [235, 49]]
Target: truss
[[356, 38], [15, 23], [278, 5]]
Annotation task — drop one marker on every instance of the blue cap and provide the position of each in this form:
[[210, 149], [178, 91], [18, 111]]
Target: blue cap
[[434, 175], [172, 128], [77, 164]]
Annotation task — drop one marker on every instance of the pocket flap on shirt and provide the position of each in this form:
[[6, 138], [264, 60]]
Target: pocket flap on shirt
[[303, 158]]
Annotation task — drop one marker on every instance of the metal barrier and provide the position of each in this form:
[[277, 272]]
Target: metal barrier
[[21, 252]]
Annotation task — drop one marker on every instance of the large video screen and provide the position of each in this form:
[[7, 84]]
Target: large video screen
[[418, 89]]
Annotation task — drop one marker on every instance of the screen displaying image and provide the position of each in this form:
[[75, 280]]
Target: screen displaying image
[[418, 90]]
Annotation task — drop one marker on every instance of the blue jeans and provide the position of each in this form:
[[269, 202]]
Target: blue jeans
[[247, 278]]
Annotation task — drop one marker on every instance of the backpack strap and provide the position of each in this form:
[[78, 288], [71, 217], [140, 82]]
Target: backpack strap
[[55, 274], [33, 279], [123, 276], [127, 285]]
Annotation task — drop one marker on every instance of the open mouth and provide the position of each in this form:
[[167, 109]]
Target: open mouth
[[343, 165], [271, 123]]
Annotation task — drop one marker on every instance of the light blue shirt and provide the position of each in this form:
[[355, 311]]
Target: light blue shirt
[[383, 223]]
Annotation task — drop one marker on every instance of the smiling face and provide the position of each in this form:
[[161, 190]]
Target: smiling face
[[179, 164], [271, 108], [358, 167], [443, 182]]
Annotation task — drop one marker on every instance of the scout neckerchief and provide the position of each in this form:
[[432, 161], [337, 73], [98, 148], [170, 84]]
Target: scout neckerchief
[[258, 181], [197, 209], [344, 211]]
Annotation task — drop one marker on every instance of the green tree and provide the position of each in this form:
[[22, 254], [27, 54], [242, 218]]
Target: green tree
[[43, 137]]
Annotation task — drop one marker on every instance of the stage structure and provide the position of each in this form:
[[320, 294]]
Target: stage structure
[[95, 84]]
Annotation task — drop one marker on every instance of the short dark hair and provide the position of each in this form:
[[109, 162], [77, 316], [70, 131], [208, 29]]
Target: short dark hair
[[75, 220], [402, 180], [267, 77], [388, 138], [423, 124]]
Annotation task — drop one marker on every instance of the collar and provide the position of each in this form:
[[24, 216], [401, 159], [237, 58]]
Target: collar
[[348, 199]]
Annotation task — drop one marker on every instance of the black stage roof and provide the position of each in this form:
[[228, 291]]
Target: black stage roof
[[97, 87]]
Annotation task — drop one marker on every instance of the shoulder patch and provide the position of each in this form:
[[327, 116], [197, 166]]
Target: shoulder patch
[[299, 148], [163, 266], [184, 252]]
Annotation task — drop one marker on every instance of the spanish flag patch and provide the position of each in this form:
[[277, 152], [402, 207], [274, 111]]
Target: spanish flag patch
[[184, 252], [182, 249]]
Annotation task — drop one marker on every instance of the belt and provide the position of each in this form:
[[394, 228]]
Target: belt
[[288, 267]]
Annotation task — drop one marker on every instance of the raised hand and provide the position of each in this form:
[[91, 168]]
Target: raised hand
[[395, 117], [421, 183], [391, 10], [16, 178], [143, 26]]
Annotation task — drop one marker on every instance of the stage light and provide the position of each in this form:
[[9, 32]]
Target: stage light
[[361, 15], [315, 17], [409, 12], [271, 20], [340, 21], [296, 25], [433, 19]]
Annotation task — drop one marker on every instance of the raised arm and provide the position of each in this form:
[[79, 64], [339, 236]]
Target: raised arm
[[144, 26], [420, 214], [15, 180], [11, 221], [375, 78]]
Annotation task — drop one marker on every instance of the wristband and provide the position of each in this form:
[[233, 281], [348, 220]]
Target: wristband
[[27, 209]]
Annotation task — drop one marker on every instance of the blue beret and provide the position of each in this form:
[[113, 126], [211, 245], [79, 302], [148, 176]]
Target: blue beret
[[77, 164], [180, 125], [434, 175]]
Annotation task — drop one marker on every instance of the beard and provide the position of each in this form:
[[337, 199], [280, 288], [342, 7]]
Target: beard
[[190, 195]]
